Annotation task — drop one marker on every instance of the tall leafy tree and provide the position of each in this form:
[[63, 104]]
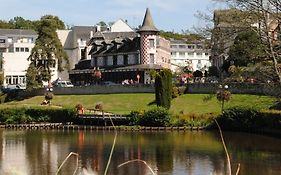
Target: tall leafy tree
[[268, 17], [21, 23], [48, 52], [246, 49], [163, 88]]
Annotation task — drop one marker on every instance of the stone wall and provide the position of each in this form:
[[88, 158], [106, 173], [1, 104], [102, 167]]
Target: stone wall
[[96, 89], [202, 88], [235, 88]]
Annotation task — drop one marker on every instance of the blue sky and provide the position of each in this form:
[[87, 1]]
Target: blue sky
[[168, 15]]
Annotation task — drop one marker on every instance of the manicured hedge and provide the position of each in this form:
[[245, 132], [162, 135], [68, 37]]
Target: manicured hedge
[[28, 115]]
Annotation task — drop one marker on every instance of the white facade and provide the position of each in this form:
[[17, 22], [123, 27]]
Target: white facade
[[193, 55], [120, 26], [15, 50]]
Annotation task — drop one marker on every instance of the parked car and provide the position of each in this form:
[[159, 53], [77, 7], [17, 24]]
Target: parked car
[[63, 84], [15, 86]]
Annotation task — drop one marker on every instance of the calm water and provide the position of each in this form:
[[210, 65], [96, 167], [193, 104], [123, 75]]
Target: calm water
[[179, 153]]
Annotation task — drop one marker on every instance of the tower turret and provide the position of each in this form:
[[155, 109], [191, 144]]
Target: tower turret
[[148, 33]]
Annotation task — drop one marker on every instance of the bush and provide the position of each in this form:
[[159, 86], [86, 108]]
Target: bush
[[157, 117], [247, 119], [26, 115], [193, 120], [135, 117]]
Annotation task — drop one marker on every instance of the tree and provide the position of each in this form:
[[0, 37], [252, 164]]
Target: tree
[[33, 79], [268, 17], [247, 49], [21, 23], [48, 51], [163, 88]]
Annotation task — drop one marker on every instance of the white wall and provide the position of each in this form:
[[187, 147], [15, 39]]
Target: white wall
[[121, 26]]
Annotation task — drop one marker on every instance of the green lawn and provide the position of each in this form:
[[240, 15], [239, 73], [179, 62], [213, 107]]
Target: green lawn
[[124, 103]]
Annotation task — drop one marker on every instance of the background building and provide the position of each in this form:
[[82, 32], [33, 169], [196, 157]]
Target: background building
[[15, 48], [195, 55], [123, 55]]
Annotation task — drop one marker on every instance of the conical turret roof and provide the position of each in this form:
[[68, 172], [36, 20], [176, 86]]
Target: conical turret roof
[[148, 25]]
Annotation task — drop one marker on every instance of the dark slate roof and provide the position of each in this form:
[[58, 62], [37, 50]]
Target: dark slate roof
[[148, 25], [84, 32], [116, 35], [17, 32], [81, 32]]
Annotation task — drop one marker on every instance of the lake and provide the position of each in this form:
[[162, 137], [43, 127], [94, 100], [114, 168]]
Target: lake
[[41, 152]]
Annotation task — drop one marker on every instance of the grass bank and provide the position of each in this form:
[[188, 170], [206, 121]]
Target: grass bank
[[125, 103]]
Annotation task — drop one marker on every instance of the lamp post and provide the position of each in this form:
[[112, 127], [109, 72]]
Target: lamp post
[[223, 95]]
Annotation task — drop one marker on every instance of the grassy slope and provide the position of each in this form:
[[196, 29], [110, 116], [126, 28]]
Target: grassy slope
[[124, 103]]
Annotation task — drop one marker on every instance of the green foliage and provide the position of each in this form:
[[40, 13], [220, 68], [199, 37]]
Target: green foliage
[[197, 73], [248, 119], [163, 88], [213, 71], [247, 49], [48, 49], [27, 115], [135, 117], [193, 120], [1, 78], [33, 79], [172, 35], [21, 23], [176, 92], [155, 117]]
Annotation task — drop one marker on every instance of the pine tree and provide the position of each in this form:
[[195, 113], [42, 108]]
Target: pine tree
[[163, 88]]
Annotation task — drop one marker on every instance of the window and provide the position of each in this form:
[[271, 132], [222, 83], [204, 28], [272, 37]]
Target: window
[[190, 46], [182, 46], [174, 46], [199, 54], [26, 49], [2, 40], [120, 60], [206, 53], [190, 54], [151, 58], [110, 60], [83, 54], [17, 49], [151, 43], [182, 54], [174, 54], [100, 61], [22, 49], [199, 46]]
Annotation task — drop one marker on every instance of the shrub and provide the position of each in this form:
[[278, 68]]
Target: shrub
[[193, 120], [248, 119], [24, 115], [155, 117], [135, 117]]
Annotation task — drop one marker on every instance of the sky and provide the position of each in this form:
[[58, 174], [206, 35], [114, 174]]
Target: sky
[[168, 15]]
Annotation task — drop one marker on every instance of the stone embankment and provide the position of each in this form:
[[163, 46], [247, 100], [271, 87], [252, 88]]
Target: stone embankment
[[61, 126]]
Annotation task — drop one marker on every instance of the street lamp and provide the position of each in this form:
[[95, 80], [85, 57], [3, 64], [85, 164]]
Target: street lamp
[[223, 95]]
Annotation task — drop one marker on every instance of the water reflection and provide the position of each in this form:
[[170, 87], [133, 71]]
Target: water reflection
[[192, 153]]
